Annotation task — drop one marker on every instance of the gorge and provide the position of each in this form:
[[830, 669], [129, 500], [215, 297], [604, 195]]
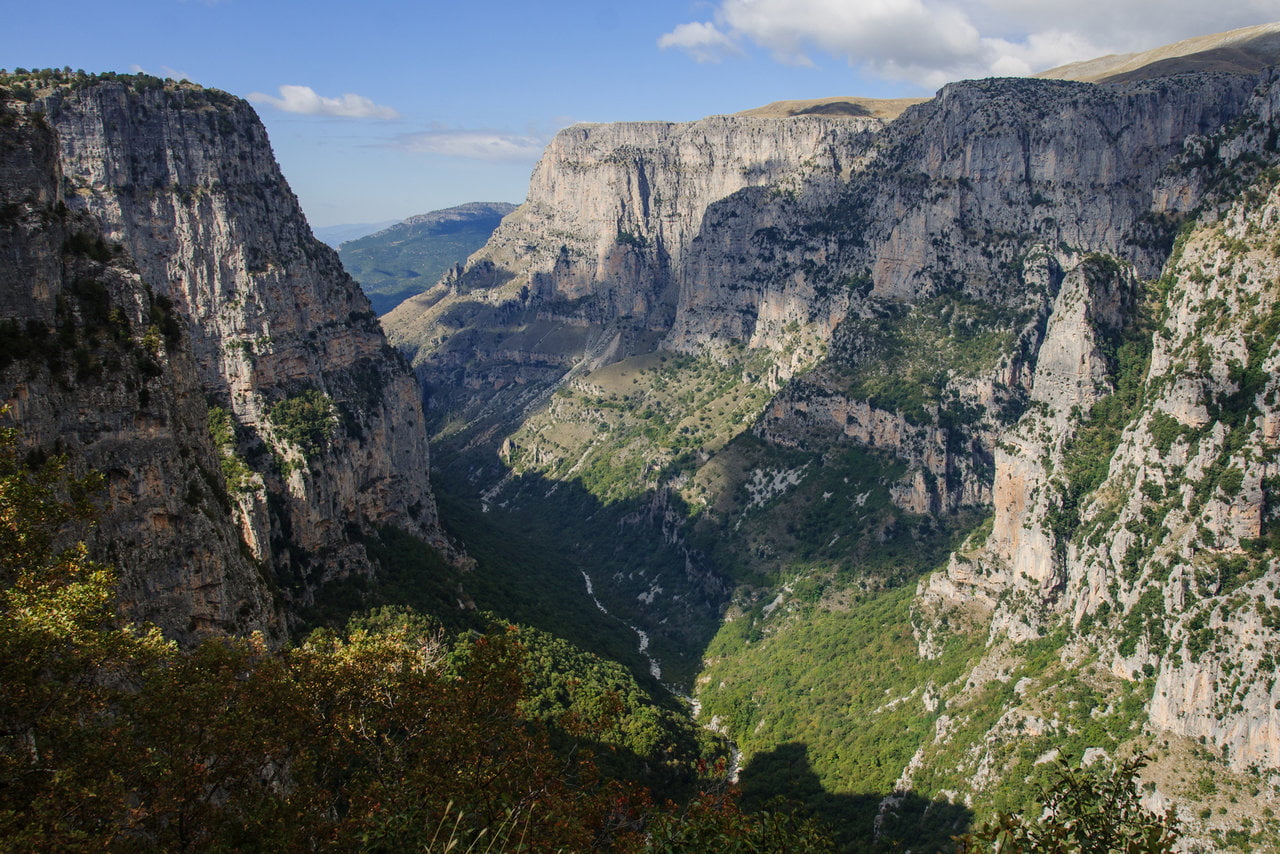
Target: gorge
[[1021, 334], [920, 444]]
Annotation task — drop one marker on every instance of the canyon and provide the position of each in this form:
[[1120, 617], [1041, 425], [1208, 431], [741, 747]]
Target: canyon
[[999, 365], [914, 445]]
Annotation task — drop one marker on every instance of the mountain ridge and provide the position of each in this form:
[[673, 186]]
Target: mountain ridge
[[815, 377], [336, 235], [1244, 51]]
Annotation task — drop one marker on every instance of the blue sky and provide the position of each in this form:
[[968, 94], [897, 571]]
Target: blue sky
[[396, 108]]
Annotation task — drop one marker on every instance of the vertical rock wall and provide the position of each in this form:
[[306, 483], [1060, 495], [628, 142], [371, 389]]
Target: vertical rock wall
[[319, 421], [186, 181], [95, 367]]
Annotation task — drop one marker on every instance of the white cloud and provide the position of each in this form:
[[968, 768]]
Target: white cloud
[[165, 71], [303, 99], [931, 42], [475, 144], [704, 42]]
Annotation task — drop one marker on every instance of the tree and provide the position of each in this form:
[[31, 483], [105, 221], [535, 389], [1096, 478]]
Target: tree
[[1089, 810], [64, 657], [386, 736]]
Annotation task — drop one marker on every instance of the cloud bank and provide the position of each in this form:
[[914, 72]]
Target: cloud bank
[[493, 146], [703, 41], [932, 42], [304, 100]]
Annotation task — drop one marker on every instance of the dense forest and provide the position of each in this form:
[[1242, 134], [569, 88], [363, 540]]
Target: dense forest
[[394, 733]]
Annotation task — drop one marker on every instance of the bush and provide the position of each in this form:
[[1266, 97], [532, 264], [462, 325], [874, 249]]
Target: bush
[[1094, 810], [306, 420]]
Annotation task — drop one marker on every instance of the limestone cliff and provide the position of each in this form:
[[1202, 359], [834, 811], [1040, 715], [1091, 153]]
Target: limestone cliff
[[596, 249], [317, 421], [99, 367], [802, 235], [1161, 546], [1044, 300]]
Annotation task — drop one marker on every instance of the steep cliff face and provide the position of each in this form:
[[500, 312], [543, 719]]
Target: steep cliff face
[[1045, 301], [594, 253], [957, 191], [192, 191], [317, 421], [958, 219], [98, 367], [1153, 534], [612, 210]]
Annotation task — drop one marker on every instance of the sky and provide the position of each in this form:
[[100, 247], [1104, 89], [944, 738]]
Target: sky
[[380, 110]]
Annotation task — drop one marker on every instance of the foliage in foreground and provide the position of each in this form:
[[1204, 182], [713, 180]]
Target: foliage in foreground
[[1089, 810], [388, 735]]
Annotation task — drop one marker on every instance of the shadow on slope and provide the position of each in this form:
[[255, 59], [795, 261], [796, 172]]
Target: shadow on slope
[[892, 821], [537, 544]]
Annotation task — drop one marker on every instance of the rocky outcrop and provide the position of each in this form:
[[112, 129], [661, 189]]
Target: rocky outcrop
[[318, 421], [97, 366], [1153, 536]]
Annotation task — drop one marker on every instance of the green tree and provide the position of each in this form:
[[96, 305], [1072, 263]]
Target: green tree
[[307, 420], [64, 655], [387, 736], [1086, 810]]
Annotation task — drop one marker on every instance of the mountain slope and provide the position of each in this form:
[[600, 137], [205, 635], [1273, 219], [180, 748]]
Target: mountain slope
[[406, 258], [1244, 51], [810, 369]]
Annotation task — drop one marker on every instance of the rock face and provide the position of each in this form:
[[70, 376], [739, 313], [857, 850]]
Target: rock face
[[96, 366], [1048, 301], [1161, 547], [797, 237], [305, 425], [612, 211]]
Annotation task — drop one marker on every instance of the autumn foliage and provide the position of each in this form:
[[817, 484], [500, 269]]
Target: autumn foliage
[[387, 736]]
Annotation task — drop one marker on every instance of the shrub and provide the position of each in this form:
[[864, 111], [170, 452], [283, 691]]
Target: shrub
[[306, 420], [1094, 810]]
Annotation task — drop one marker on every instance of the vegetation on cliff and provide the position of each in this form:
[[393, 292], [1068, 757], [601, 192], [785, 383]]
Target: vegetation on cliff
[[390, 734]]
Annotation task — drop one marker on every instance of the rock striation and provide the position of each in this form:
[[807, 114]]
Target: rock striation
[[796, 236], [305, 425], [1161, 547], [1045, 300]]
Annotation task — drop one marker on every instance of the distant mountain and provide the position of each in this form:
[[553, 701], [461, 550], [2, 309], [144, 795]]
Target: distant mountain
[[336, 235], [879, 108], [411, 256], [1243, 51]]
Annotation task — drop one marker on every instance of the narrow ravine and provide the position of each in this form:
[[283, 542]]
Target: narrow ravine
[[695, 705], [654, 667]]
